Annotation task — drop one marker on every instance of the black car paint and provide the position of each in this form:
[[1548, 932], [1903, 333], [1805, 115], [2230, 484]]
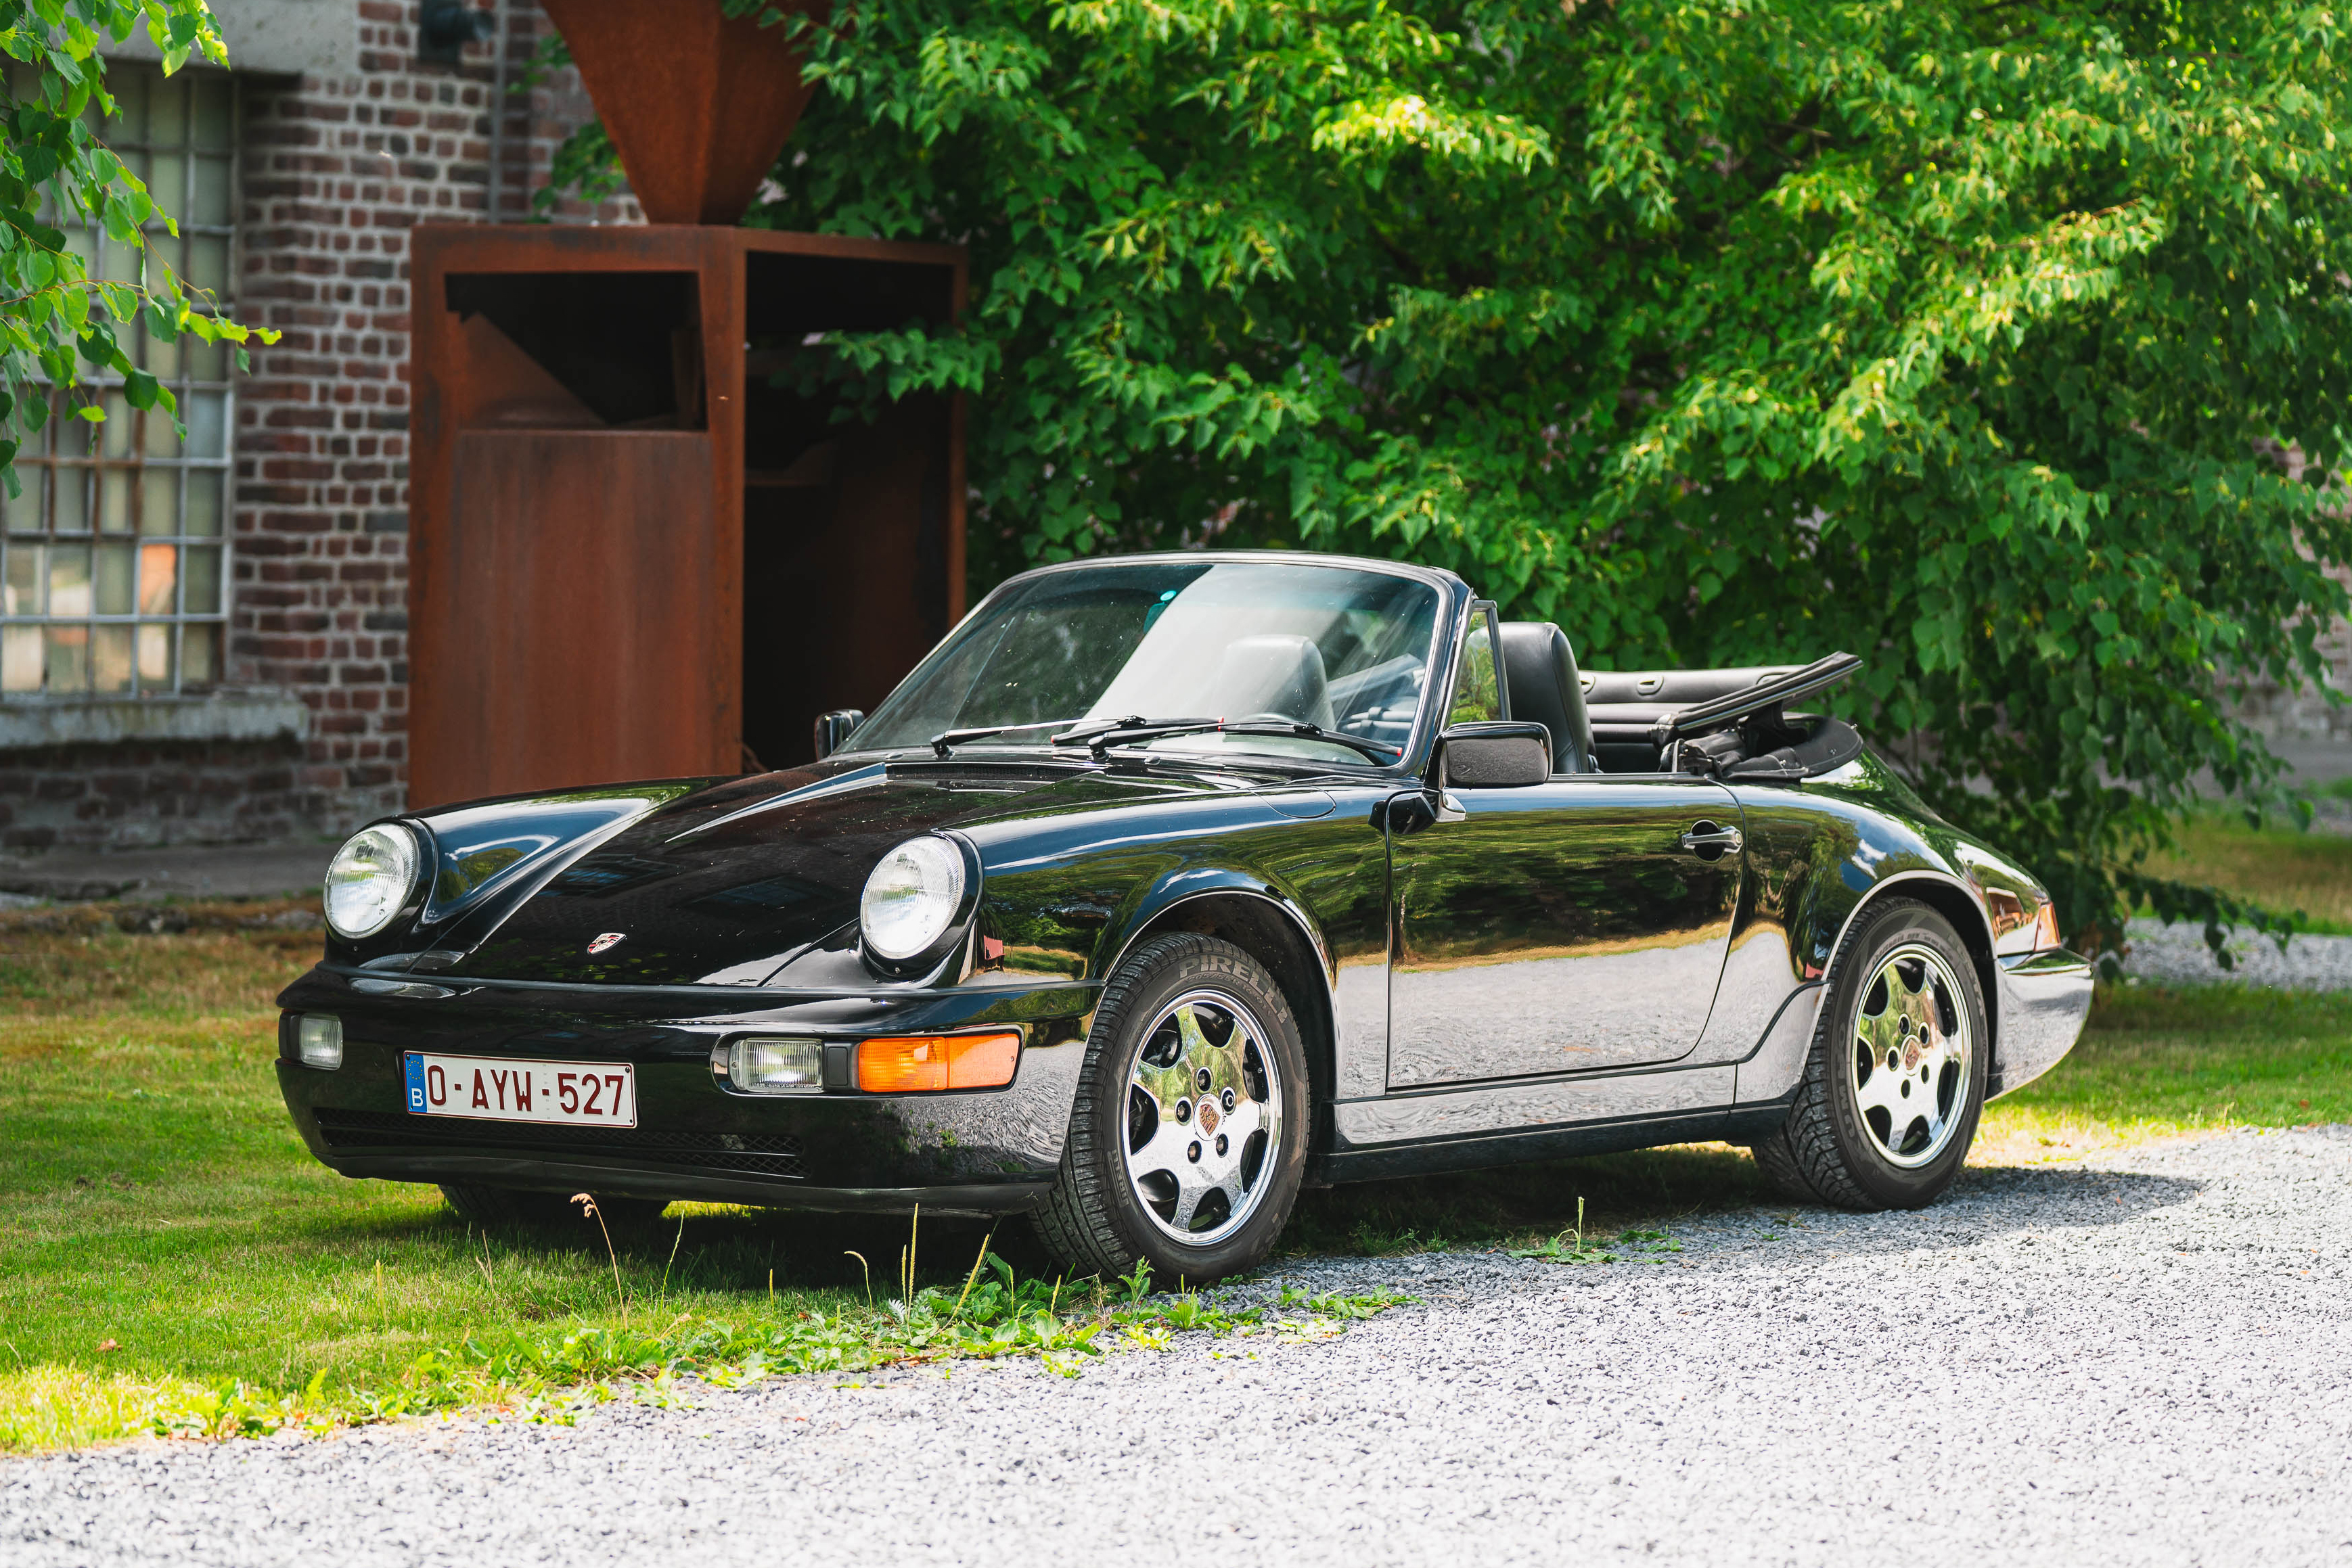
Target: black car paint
[[736, 902], [1574, 897], [1087, 857]]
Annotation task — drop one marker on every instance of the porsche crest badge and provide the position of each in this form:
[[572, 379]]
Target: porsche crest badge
[[609, 939]]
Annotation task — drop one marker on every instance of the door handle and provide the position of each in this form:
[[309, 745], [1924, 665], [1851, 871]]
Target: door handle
[[1712, 840]]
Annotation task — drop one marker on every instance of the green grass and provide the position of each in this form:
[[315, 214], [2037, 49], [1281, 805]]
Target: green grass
[[2285, 868], [2155, 1063], [169, 1237]]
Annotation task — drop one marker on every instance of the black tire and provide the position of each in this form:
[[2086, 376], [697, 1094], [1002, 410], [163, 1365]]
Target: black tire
[[1830, 1150], [509, 1208], [1093, 1220]]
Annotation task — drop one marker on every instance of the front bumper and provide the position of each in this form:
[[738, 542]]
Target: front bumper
[[2042, 1002], [976, 1152]]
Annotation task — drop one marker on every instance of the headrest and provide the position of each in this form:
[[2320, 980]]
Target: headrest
[[1273, 674], [1541, 669]]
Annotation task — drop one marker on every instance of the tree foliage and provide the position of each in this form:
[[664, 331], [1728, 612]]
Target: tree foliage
[[2005, 344], [58, 324]]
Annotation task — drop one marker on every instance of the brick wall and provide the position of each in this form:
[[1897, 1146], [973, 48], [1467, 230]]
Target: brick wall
[[337, 167], [336, 173], [135, 793]]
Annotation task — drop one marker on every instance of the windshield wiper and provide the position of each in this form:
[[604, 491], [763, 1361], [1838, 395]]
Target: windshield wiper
[[1376, 750], [1092, 735], [1098, 737], [948, 739]]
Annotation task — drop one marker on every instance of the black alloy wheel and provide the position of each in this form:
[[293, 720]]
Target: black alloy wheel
[[1188, 1138], [1896, 1081]]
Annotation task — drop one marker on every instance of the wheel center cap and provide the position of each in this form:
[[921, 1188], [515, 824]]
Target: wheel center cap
[[1911, 1052], [1210, 1116]]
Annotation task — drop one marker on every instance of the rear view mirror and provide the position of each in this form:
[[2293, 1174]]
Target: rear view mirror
[[1495, 754], [834, 729]]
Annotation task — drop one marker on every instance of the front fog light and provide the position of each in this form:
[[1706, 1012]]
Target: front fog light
[[319, 1040], [776, 1066]]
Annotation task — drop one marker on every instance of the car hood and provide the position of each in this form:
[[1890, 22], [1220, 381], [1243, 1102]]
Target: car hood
[[726, 886]]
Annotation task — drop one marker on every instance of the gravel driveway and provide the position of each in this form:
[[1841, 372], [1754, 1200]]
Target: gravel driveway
[[2177, 955], [2145, 1358]]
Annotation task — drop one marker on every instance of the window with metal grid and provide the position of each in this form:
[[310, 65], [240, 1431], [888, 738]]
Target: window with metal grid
[[115, 557]]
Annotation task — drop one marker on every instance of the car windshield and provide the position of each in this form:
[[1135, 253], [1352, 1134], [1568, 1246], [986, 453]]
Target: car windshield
[[1282, 641]]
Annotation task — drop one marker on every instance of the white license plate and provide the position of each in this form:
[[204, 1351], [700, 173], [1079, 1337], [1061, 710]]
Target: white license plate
[[488, 1089]]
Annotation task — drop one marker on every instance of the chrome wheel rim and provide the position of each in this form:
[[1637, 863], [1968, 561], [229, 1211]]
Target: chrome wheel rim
[[1913, 1053], [1203, 1118]]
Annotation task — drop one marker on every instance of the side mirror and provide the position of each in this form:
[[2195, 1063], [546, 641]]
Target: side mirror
[[1495, 754], [1407, 813], [834, 729]]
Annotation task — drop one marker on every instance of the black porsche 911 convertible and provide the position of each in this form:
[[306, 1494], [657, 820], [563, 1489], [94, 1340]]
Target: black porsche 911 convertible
[[1167, 885]]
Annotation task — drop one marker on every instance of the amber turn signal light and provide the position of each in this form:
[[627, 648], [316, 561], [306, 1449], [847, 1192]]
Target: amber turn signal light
[[924, 1064]]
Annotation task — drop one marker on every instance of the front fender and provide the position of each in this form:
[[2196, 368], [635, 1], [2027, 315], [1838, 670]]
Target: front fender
[[483, 858], [1308, 858], [1186, 884], [1070, 897]]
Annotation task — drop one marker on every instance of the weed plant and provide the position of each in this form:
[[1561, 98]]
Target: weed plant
[[552, 1375]]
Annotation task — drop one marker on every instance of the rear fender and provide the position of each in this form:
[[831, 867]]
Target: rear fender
[[1828, 855]]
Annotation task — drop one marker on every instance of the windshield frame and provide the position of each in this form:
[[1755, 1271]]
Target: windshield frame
[[1454, 599]]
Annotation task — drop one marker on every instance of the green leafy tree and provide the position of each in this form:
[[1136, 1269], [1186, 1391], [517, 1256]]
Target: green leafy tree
[[2006, 345], [59, 325]]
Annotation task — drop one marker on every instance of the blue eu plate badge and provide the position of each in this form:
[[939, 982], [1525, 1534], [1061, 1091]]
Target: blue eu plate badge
[[412, 1070]]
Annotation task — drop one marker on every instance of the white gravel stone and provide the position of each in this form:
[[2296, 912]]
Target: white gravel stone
[[2140, 1358], [2177, 955]]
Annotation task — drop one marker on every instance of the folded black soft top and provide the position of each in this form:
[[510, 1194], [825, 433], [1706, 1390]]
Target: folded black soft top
[[1833, 744], [1764, 696], [1729, 723]]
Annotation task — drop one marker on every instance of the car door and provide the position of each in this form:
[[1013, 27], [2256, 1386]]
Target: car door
[[1563, 926], [1558, 927]]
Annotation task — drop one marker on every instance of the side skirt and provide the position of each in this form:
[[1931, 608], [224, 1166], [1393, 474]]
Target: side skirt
[[1730, 1123], [1470, 1128]]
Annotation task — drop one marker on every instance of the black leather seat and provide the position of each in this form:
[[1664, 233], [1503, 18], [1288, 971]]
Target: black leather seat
[[1545, 687]]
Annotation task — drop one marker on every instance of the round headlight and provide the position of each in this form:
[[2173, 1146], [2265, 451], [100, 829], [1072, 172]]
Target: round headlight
[[912, 898], [369, 879]]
